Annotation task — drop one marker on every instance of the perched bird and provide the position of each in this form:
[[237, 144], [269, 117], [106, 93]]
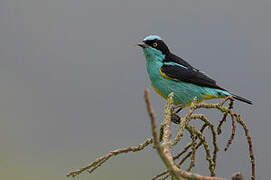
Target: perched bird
[[170, 73]]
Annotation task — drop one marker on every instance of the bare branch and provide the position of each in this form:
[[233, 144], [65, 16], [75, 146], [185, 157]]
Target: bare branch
[[99, 161], [251, 154], [164, 144], [163, 150], [193, 150], [232, 133], [206, 147], [208, 123]]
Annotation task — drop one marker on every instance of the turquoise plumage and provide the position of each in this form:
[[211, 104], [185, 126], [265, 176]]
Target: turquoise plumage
[[183, 92], [169, 73]]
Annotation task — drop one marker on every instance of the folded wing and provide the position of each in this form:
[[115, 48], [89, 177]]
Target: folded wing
[[177, 69]]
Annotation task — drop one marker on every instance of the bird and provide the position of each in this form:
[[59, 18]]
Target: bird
[[170, 73]]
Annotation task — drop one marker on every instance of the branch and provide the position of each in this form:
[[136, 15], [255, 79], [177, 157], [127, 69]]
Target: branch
[[163, 144], [251, 154], [164, 149], [208, 123], [179, 155], [99, 161]]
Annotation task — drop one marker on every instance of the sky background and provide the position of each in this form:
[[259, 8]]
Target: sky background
[[72, 84]]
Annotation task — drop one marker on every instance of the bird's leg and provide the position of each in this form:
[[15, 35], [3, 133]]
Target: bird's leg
[[174, 117], [180, 108]]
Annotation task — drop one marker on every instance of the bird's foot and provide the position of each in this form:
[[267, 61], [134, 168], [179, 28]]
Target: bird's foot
[[174, 117], [179, 107]]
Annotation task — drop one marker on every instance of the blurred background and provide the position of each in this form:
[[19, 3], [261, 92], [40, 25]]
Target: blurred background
[[71, 83]]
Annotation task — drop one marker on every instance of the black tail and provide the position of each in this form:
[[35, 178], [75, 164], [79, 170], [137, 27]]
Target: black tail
[[241, 99]]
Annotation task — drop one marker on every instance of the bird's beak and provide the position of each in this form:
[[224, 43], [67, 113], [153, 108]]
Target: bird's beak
[[143, 45]]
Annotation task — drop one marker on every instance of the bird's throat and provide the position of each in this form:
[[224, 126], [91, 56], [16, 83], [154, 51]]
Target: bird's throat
[[153, 69]]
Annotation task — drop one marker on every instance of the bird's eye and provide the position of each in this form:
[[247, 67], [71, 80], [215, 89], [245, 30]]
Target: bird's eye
[[155, 44]]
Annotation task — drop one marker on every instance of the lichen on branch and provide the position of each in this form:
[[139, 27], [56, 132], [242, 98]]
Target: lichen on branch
[[164, 144]]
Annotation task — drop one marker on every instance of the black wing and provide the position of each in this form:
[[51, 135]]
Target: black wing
[[176, 68]]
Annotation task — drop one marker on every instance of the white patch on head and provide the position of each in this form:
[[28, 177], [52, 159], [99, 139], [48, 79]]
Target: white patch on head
[[152, 37]]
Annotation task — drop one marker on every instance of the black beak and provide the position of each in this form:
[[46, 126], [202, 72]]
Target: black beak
[[143, 45]]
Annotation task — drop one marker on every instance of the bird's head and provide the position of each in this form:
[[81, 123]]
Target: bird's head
[[154, 47]]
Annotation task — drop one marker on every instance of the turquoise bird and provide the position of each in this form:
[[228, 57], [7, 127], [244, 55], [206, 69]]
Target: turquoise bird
[[170, 73]]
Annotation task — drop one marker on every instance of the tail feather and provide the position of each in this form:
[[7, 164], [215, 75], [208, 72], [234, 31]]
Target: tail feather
[[241, 99]]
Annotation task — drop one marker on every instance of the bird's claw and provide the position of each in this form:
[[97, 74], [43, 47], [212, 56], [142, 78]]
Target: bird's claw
[[175, 118]]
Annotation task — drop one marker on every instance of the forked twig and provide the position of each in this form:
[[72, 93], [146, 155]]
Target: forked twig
[[164, 144]]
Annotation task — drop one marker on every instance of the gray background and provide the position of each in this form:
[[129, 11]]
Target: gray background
[[72, 84]]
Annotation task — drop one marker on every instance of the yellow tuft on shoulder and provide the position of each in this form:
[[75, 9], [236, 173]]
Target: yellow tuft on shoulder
[[167, 77]]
